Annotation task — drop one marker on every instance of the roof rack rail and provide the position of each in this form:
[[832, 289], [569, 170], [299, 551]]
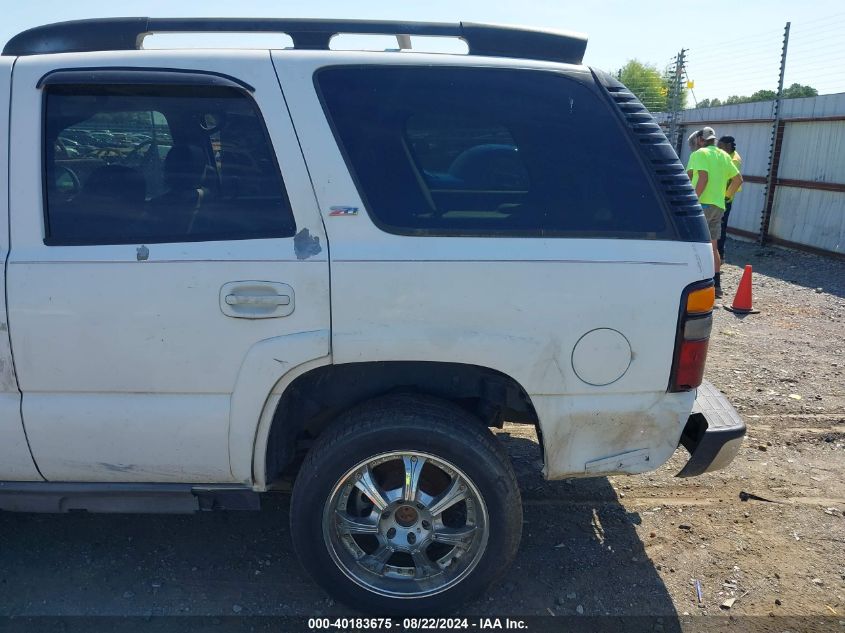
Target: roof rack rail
[[109, 34]]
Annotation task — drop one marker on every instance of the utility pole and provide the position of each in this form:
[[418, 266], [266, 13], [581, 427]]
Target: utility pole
[[675, 97], [775, 147]]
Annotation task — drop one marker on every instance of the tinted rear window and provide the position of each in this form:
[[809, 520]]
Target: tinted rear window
[[477, 151]]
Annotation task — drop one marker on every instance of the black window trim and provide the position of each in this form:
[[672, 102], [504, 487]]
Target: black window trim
[[139, 76], [230, 82], [669, 234]]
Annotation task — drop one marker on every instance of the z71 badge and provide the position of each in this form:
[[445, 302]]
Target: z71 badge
[[343, 211]]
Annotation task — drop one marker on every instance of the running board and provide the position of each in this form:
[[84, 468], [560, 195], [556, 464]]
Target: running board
[[33, 496]]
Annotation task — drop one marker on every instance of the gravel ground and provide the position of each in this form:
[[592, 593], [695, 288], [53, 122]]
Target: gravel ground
[[623, 545]]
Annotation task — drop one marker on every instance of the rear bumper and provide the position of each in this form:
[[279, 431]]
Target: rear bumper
[[713, 433]]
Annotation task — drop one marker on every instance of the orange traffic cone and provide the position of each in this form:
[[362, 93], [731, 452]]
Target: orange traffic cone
[[742, 300]]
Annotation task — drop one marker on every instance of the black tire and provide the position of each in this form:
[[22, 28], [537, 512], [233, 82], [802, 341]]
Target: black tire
[[423, 425]]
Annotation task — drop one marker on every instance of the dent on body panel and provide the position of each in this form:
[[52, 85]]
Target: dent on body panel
[[584, 429], [414, 339], [547, 374], [168, 472], [118, 468]]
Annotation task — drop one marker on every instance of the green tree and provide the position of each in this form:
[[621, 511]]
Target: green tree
[[796, 91], [760, 95], [647, 83], [763, 95]]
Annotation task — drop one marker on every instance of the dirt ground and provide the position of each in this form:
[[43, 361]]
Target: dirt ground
[[622, 546]]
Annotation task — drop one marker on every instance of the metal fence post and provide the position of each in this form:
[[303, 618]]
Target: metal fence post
[[674, 104], [775, 147]]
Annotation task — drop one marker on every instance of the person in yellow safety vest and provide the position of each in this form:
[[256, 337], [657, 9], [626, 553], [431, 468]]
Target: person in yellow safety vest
[[709, 168], [728, 144]]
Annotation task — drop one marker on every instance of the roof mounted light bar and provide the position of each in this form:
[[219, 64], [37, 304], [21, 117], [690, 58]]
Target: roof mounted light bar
[[115, 34]]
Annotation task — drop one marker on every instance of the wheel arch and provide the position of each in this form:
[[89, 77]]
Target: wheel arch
[[319, 394]]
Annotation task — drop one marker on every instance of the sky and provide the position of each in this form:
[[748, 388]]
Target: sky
[[733, 47]]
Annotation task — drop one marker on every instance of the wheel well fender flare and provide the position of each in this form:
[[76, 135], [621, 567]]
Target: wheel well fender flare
[[267, 369]]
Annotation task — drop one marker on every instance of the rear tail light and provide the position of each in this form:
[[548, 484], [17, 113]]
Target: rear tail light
[[694, 327]]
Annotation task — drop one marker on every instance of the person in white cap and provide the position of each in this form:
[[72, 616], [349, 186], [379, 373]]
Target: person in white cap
[[709, 168]]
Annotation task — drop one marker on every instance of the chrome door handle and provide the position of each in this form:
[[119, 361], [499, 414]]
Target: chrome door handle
[[257, 300]]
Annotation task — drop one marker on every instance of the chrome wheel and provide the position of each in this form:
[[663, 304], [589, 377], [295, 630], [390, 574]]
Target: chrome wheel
[[405, 524]]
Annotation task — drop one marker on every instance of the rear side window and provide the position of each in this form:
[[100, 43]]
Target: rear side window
[[477, 151], [146, 164]]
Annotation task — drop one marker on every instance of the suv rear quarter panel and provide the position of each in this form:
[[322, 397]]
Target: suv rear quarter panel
[[517, 305]]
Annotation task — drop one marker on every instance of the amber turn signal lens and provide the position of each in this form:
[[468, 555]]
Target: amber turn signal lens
[[702, 300]]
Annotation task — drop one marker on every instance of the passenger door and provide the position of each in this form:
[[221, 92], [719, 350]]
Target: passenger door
[[163, 246]]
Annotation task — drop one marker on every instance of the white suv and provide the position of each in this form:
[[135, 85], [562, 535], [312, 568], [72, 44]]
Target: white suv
[[225, 269]]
